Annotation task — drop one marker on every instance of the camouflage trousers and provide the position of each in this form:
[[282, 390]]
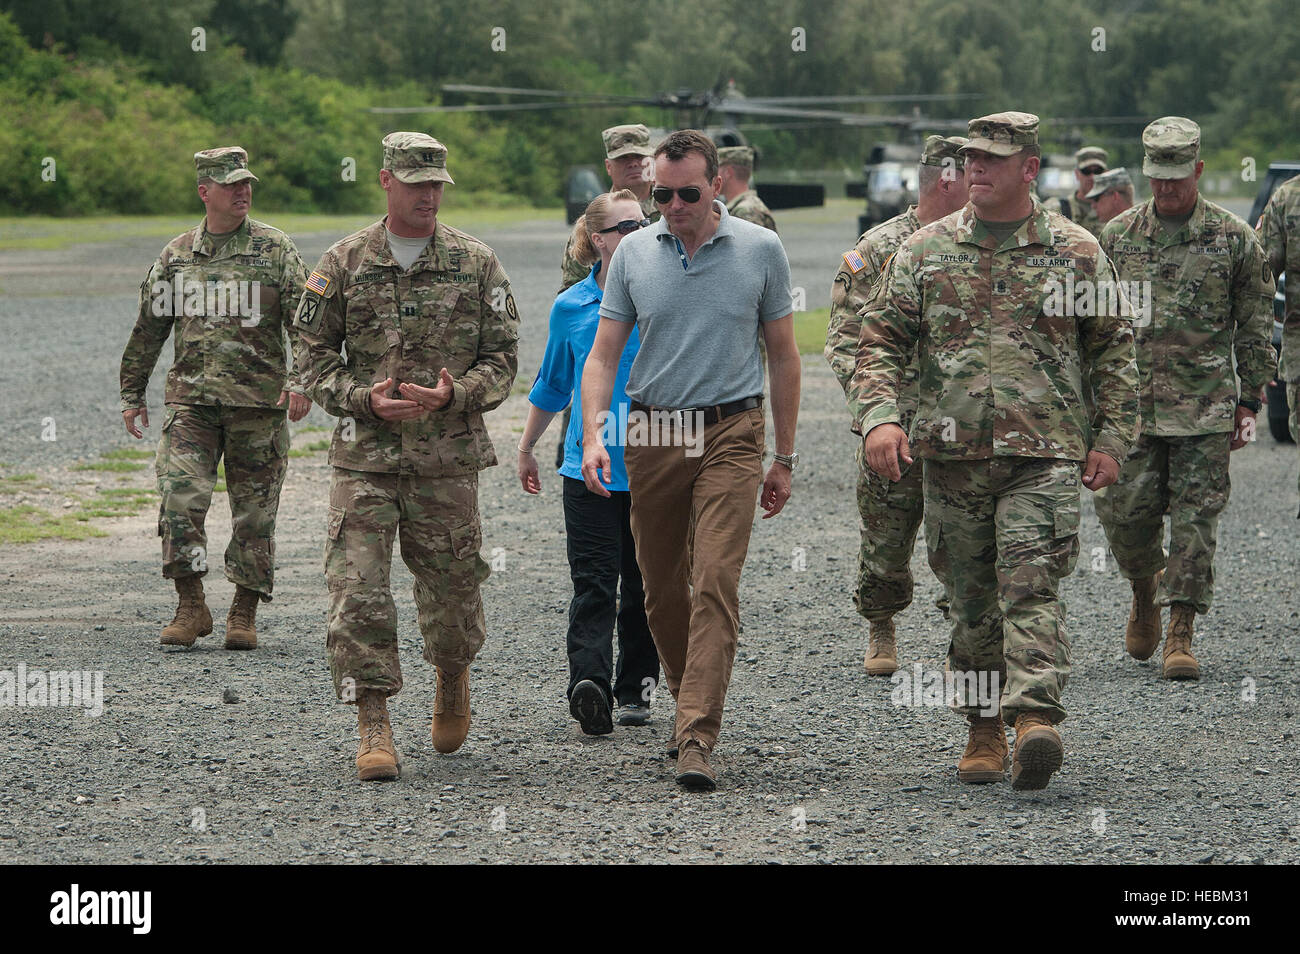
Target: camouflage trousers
[[890, 518], [1001, 534], [254, 443], [1187, 478], [436, 522]]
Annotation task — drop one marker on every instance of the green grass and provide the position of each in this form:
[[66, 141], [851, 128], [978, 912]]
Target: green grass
[[18, 483], [115, 466], [308, 450], [810, 330], [128, 453], [314, 429], [27, 524], [48, 233]]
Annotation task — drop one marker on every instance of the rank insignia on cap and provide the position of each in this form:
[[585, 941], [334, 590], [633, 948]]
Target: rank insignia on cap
[[318, 283], [854, 261]]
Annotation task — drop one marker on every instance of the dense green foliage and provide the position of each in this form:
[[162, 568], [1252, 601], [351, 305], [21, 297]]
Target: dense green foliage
[[115, 93]]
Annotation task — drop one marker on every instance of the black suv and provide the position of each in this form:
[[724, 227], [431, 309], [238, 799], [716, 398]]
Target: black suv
[[1278, 172]]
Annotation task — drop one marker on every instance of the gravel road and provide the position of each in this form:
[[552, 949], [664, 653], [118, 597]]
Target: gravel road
[[206, 755]]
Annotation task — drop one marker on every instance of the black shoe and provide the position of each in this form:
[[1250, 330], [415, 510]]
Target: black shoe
[[590, 707], [633, 713]]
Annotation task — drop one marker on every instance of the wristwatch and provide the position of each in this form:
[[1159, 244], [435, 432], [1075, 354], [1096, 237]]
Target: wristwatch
[[790, 460], [1252, 406]]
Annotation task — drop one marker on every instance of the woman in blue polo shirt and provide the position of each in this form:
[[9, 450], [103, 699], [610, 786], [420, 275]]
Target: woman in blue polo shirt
[[601, 550]]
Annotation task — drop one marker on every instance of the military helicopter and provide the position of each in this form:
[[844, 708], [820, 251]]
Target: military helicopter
[[694, 109]]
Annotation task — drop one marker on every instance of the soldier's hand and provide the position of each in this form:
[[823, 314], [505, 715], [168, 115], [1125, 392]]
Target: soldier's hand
[[596, 468], [776, 489], [1243, 428], [128, 417], [1100, 470], [392, 409], [884, 446], [526, 468], [298, 404], [431, 399]]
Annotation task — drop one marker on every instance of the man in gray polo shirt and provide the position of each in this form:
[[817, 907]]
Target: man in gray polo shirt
[[700, 286]]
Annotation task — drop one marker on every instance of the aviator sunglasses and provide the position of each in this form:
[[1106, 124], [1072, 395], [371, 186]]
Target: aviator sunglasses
[[663, 195]]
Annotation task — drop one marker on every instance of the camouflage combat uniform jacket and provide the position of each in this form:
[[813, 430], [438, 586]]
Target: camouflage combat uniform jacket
[[452, 308], [1211, 299], [225, 352], [751, 208], [999, 375], [1083, 212], [854, 282], [1279, 231]]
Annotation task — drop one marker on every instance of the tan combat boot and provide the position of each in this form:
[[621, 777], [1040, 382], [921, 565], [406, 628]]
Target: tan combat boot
[[451, 710], [987, 756], [1039, 751], [241, 633], [1143, 633], [693, 769], [882, 650], [1179, 661], [192, 618], [376, 754]]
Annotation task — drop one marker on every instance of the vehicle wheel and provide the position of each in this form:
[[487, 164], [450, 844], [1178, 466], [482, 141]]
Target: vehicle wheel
[[1278, 413]]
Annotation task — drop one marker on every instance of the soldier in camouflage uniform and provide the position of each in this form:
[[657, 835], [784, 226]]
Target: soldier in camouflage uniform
[[1279, 231], [431, 334], [628, 160], [227, 288], [1209, 302], [735, 166], [1090, 161], [1111, 194], [890, 512], [1002, 429]]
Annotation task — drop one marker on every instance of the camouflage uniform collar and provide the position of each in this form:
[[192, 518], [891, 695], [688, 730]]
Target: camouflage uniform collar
[[239, 243], [748, 192], [911, 218], [1193, 227], [379, 254], [1034, 231]]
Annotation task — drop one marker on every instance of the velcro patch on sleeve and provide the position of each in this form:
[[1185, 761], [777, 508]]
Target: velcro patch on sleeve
[[854, 261], [318, 283]]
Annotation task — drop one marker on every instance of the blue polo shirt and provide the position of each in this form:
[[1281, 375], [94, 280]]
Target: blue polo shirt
[[574, 319], [698, 318]]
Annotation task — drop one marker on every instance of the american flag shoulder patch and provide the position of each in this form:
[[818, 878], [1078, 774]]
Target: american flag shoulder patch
[[854, 261], [318, 283]]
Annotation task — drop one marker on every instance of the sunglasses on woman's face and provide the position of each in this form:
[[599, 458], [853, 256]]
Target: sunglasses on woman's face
[[663, 195], [626, 227]]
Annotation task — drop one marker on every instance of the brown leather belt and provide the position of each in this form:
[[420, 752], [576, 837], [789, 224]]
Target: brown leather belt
[[712, 413]]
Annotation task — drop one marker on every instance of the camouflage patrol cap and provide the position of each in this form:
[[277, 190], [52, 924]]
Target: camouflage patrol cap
[[742, 156], [1172, 144], [415, 157], [1090, 156], [631, 140], [1109, 181], [1002, 134], [226, 165], [939, 148]]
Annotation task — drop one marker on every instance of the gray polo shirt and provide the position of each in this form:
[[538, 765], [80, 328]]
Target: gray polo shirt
[[699, 318]]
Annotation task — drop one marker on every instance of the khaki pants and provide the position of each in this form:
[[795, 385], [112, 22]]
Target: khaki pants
[[695, 618]]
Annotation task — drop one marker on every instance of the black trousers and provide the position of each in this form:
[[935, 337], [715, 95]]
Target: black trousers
[[601, 556]]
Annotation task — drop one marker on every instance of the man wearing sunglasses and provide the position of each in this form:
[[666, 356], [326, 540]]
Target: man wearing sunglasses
[[735, 166], [700, 286], [628, 162], [1089, 162]]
